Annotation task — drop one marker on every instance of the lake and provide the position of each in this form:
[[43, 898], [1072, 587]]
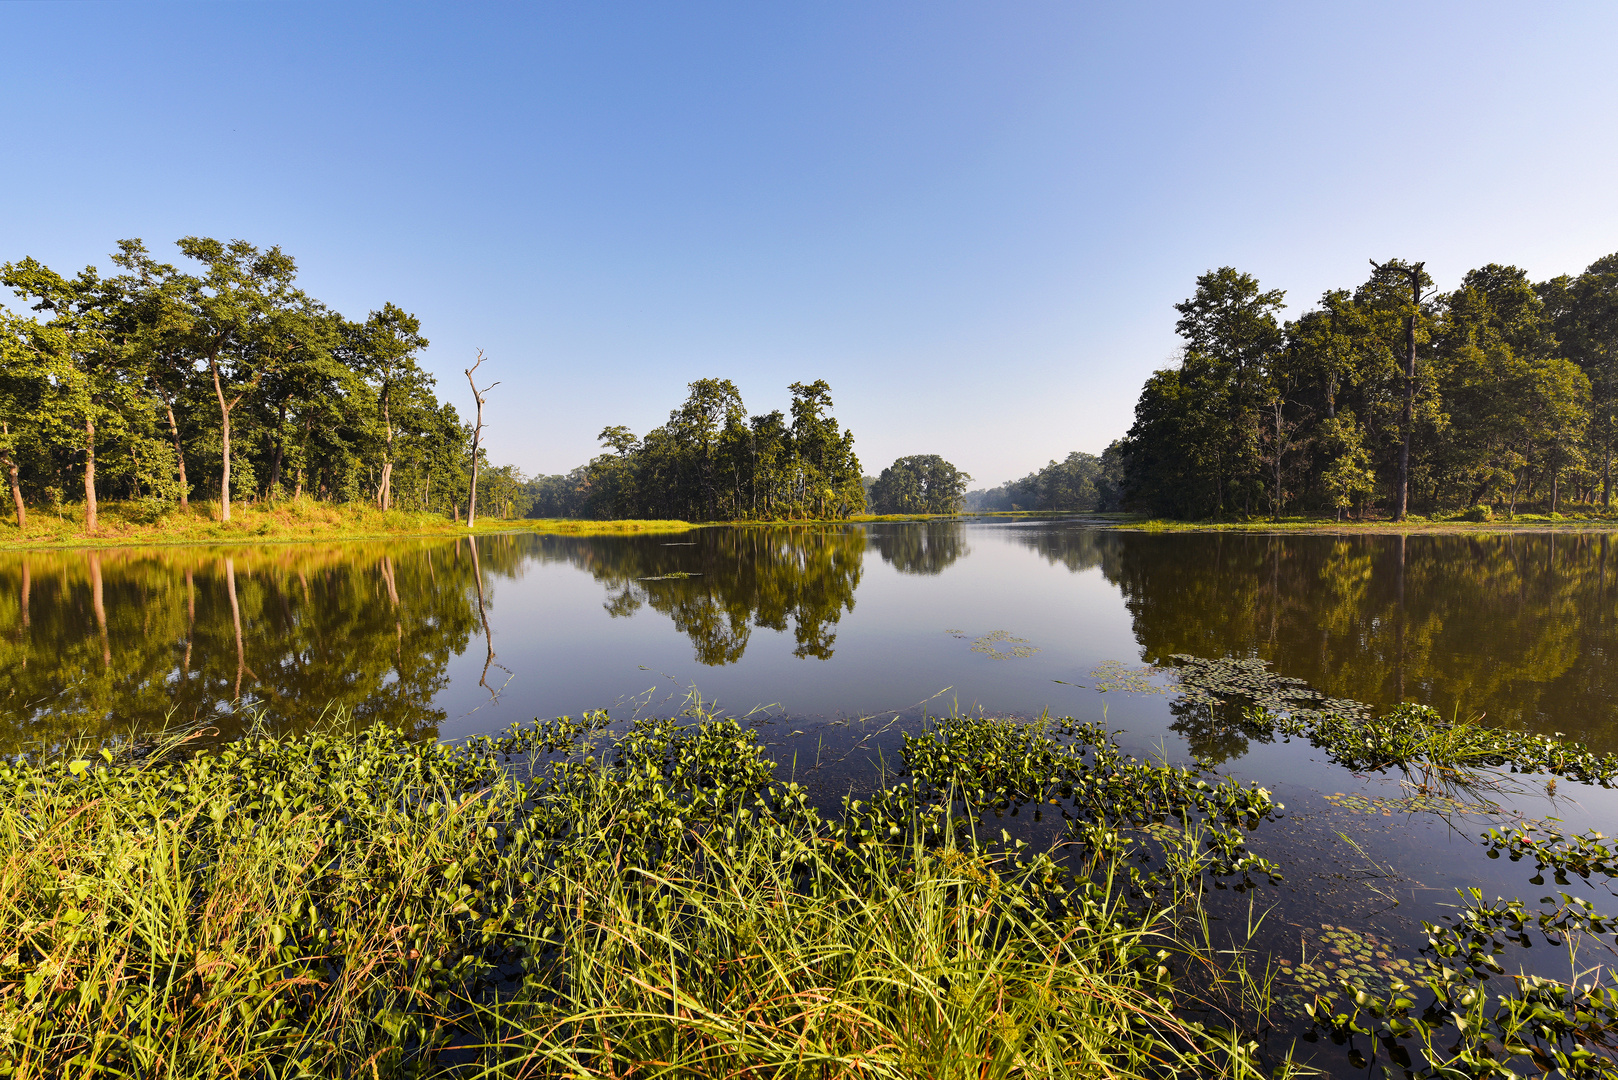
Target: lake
[[838, 638], [821, 622]]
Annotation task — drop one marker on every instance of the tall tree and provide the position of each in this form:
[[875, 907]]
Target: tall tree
[[249, 320], [384, 349], [153, 316], [1231, 337], [83, 359], [1401, 286], [479, 397]]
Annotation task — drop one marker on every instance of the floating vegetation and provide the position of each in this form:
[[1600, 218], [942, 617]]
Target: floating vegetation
[[989, 645], [1114, 677], [1408, 735], [1340, 956], [1463, 1030], [1430, 803], [573, 899], [1593, 853], [674, 575]]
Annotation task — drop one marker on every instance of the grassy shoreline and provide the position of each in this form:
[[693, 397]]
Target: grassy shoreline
[[584, 898], [305, 520], [288, 521], [1413, 524]]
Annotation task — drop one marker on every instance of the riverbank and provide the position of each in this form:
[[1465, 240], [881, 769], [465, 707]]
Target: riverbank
[[1412, 524], [290, 521]]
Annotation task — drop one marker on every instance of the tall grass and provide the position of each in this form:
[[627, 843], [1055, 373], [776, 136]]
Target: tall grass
[[332, 905]]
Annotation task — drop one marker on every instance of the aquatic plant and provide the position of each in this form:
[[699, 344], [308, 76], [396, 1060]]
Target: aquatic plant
[[583, 898], [1409, 735]]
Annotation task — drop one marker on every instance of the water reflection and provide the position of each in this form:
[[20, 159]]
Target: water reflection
[[1517, 626], [717, 585], [929, 547], [104, 642], [91, 643]]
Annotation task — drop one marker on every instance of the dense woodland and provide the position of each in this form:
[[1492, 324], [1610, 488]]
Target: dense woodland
[[222, 381], [714, 462], [918, 484], [1388, 398]]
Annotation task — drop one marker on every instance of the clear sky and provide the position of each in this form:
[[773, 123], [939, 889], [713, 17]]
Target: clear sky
[[971, 219]]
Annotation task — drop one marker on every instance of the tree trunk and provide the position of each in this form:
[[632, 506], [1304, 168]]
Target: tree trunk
[[224, 435], [1606, 470], [280, 448], [179, 455], [16, 487], [385, 492], [1406, 418], [477, 438], [89, 474]]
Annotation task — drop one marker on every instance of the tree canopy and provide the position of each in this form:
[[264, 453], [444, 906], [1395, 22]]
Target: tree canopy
[[714, 462], [224, 379], [919, 484], [1382, 398]]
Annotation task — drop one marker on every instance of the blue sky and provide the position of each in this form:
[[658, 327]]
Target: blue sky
[[972, 219]]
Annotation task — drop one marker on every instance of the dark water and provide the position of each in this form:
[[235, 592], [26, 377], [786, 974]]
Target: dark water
[[839, 630]]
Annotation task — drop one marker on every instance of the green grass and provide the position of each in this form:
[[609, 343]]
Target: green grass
[[1415, 523], [653, 904], [288, 520]]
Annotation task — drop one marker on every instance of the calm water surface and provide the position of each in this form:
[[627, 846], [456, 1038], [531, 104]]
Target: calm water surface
[[822, 622], [838, 630]]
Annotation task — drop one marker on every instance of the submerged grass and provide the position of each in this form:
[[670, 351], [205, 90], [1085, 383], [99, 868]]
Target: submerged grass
[[558, 902], [285, 520]]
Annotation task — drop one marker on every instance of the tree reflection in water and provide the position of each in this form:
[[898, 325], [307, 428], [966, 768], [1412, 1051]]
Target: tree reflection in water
[[1515, 625], [928, 547], [717, 585], [185, 634]]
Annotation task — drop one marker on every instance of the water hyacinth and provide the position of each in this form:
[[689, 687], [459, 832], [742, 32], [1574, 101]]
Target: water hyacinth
[[573, 899]]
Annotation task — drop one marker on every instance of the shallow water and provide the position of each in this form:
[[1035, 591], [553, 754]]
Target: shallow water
[[844, 636]]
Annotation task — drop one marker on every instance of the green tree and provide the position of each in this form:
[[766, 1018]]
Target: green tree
[[249, 320], [919, 484], [383, 350]]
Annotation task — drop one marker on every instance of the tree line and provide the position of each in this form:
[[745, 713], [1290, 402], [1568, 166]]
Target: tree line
[[1392, 397], [225, 379], [713, 462]]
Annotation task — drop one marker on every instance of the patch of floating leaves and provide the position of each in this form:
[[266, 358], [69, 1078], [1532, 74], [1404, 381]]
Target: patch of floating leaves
[[1113, 676], [1431, 803], [1343, 957], [989, 645], [1408, 734]]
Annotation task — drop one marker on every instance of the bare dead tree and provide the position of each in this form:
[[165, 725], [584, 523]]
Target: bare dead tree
[[477, 439]]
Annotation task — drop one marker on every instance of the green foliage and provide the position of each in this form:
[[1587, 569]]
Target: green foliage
[[1512, 397], [712, 462], [919, 484], [1080, 482], [571, 896], [228, 382]]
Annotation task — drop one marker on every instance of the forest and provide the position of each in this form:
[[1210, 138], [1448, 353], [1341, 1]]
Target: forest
[[1386, 399], [224, 381], [713, 462]]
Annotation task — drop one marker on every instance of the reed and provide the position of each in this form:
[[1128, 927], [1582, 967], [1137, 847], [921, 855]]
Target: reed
[[558, 902]]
